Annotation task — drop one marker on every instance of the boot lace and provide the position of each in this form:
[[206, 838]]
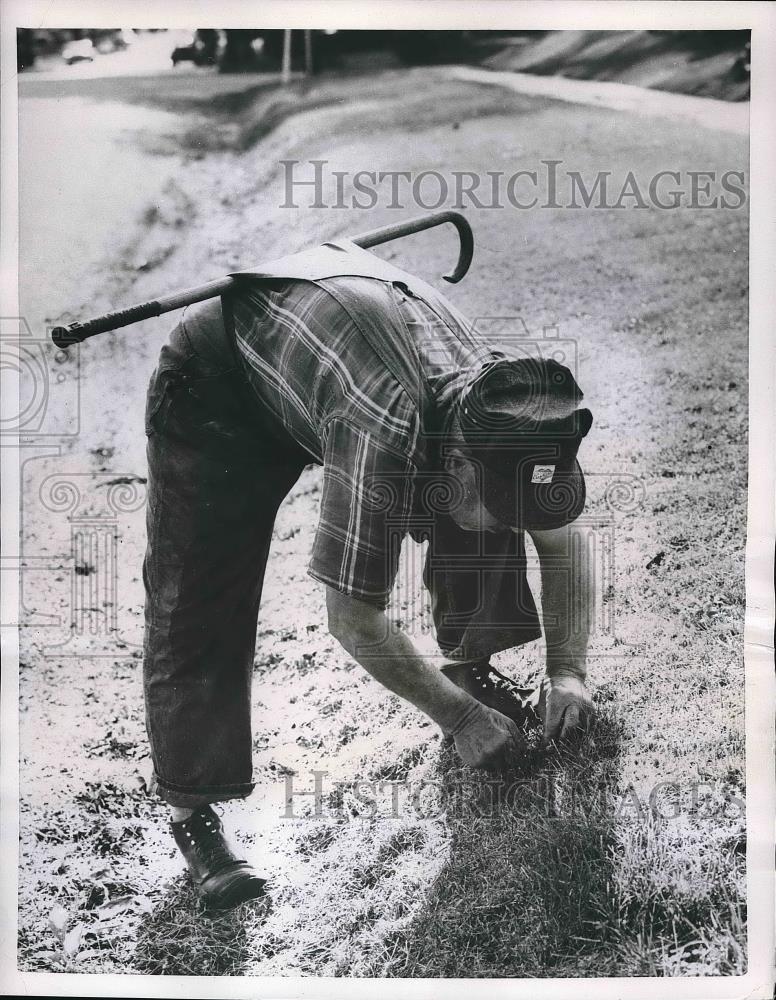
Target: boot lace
[[207, 837]]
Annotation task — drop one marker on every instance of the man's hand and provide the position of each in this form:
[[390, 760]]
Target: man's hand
[[566, 709], [486, 738]]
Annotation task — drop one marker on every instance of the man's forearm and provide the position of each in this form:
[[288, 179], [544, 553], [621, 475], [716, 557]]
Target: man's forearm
[[392, 658], [398, 665], [567, 598]]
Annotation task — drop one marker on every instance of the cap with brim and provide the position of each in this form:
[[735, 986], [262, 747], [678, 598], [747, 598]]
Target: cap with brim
[[523, 425]]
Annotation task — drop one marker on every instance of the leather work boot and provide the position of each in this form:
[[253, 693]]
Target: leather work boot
[[221, 878], [494, 689]]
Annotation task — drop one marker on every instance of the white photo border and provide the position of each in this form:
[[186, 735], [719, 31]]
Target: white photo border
[[761, 533]]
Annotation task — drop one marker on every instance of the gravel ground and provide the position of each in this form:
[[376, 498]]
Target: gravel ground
[[655, 304]]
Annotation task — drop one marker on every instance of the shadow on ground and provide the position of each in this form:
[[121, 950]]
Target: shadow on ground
[[181, 939], [521, 894]]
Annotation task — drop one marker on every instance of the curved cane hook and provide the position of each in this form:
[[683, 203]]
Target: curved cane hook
[[387, 233], [466, 251]]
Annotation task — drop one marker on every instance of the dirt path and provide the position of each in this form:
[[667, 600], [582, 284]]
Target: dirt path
[[655, 302], [723, 116]]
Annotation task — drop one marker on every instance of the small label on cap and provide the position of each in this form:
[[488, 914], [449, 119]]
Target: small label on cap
[[543, 473]]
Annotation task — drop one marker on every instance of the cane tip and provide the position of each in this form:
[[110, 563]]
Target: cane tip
[[64, 337]]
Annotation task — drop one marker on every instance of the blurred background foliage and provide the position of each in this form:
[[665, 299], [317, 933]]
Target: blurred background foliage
[[707, 63]]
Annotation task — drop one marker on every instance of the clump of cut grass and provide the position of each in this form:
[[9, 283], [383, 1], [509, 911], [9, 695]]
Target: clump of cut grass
[[410, 838], [321, 837], [399, 767]]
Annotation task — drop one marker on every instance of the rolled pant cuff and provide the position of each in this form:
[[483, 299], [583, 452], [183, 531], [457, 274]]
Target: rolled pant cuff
[[190, 797]]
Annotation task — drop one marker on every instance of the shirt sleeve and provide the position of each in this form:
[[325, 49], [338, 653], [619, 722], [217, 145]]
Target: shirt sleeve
[[366, 507]]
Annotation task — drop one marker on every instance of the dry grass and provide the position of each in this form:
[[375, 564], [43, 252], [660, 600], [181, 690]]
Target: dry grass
[[180, 939]]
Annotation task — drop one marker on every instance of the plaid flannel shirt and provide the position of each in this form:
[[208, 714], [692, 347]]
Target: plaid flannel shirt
[[311, 366]]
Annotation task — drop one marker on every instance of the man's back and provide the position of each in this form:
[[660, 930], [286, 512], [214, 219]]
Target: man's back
[[310, 358], [356, 371]]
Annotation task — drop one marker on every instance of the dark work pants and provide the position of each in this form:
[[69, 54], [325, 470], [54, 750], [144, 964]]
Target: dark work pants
[[217, 473]]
